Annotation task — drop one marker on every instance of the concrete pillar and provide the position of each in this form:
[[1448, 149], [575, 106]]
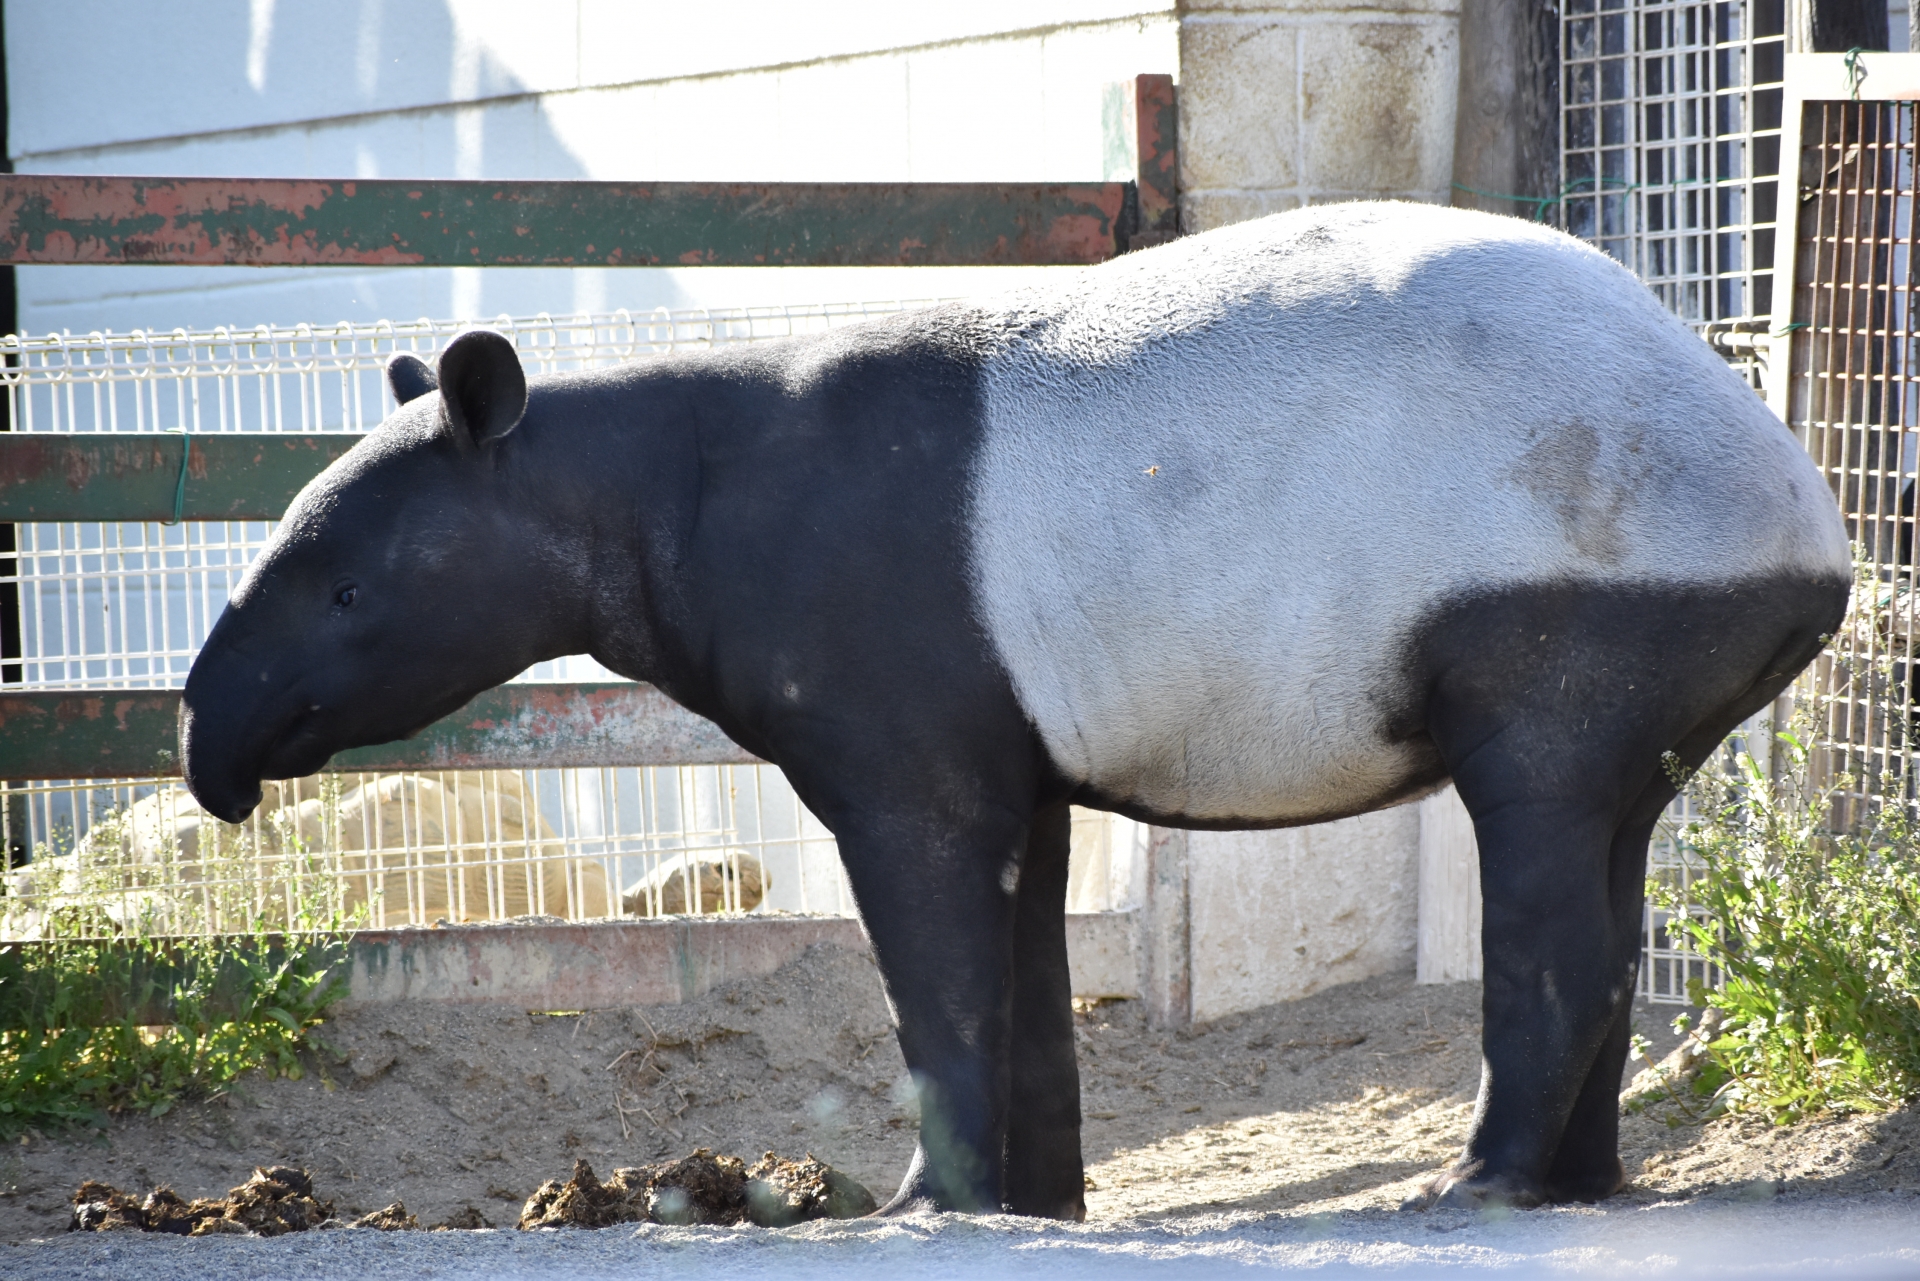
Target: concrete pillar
[[1507, 134], [1168, 953], [1292, 102], [1449, 892], [1275, 916]]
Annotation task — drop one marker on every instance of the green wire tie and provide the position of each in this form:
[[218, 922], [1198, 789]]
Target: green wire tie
[[180, 485], [1540, 203], [1856, 69], [1572, 188]]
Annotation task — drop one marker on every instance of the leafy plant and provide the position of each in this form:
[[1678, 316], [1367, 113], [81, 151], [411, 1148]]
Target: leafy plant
[[1815, 933], [109, 1008]]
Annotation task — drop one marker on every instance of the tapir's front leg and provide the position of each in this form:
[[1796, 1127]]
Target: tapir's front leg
[[1045, 1177], [938, 893]]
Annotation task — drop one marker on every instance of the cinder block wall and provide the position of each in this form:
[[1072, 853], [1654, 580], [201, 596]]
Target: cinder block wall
[[1292, 102]]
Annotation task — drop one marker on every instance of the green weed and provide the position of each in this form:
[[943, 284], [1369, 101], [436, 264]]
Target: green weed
[[125, 1000], [1816, 935]]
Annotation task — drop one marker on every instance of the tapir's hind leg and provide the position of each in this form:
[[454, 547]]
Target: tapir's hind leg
[[1553, 710], [1586, 1166]]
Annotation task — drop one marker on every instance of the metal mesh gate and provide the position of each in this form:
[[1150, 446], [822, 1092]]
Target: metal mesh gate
[[1670, 145], [1670, 150], [1852, 401]]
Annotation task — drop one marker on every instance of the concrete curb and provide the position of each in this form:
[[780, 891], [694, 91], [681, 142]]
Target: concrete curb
[[605, 964]]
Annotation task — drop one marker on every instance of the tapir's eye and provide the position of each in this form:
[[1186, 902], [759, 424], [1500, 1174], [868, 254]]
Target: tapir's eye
[[343, 597]]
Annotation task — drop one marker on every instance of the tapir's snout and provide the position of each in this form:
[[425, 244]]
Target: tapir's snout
[[234, 712], [223, 777]]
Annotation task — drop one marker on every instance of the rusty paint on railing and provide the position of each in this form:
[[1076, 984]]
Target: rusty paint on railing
[[264, 222], [46, 476], [1155, 137], [133, 733]]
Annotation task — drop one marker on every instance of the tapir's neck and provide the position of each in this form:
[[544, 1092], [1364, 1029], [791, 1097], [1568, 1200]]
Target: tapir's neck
[[611, 462]]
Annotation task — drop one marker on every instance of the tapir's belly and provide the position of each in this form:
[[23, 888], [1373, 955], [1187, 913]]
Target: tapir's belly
[[1207, 738], [1251, 708]]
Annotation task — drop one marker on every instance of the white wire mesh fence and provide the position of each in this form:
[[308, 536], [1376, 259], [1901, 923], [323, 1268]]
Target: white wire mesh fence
[[1670, 145], [127, 604]]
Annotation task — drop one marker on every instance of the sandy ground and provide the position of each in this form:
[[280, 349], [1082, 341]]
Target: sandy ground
[[1323, 1111]]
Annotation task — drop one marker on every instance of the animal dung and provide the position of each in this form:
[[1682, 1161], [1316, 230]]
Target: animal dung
[[392, 1218], [276, 1200], [782, 1192], [465, 1219], [699, 1188]]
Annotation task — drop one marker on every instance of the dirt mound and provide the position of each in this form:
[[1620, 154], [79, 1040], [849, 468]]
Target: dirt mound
[[781, 1192], [276, 1200], [699, 1188]]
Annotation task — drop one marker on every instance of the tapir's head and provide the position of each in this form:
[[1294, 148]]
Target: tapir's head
[[398, 586]]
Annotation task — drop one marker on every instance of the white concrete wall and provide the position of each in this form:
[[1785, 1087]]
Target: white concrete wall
[[610, 89], [1274, 916]]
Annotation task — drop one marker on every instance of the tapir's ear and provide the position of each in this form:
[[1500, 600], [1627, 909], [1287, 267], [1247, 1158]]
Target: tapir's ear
[[410, 377], [483, 390]]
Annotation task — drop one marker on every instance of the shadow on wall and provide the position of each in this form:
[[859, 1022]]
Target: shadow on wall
[[302, 90]]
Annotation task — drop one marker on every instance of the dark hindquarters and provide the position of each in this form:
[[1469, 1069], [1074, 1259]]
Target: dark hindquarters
[[1556, 710]]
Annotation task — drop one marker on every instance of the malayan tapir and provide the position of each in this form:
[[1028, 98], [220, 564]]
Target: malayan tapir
[[1271, 525]]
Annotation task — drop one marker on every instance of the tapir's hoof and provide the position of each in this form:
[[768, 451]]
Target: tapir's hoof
[[1472, 1188], [1597, 1185], [903, 1203]]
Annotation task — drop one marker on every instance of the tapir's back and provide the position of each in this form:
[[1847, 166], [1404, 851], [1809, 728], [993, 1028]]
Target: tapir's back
[[1223, 483]]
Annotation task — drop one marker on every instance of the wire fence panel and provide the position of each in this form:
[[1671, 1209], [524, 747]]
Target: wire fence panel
[[1670, 145], [128, 604], [1669, 161], [386, 850]]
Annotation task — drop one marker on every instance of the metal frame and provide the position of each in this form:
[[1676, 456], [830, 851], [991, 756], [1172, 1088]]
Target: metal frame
[[1848, 391], [348, 222]]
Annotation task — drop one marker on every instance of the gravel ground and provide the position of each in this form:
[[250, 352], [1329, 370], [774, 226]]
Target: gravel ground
[[1872, 1236]]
